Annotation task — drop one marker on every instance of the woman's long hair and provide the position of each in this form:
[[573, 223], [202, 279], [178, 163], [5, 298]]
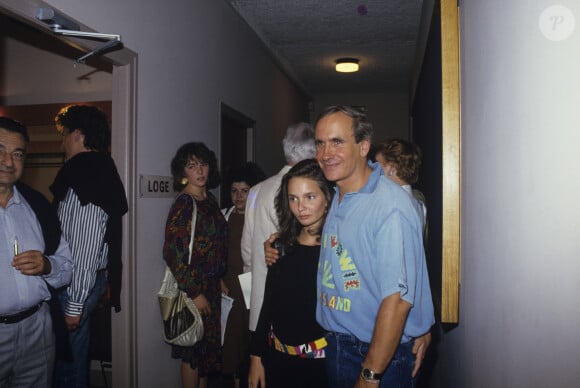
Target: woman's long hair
[[290, 227]]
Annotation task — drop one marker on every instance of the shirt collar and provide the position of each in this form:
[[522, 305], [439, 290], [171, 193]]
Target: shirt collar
[[372, 182], [16, 196]]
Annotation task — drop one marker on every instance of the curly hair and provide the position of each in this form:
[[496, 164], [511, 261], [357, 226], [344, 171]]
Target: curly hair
[[290, 227], [90, 120], [199, 151], [405, 156]]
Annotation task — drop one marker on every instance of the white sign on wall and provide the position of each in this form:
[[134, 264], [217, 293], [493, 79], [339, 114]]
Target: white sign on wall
[[156, 186]]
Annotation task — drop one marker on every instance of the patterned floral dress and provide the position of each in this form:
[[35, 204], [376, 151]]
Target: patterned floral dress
[[202, 276]]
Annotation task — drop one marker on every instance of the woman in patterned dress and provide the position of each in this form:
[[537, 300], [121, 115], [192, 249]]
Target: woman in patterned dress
[[194, 169]]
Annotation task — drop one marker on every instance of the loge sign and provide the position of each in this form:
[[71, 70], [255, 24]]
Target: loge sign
[[155, 186]]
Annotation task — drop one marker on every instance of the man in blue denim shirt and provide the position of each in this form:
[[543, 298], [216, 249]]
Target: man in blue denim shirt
[[373, 287]]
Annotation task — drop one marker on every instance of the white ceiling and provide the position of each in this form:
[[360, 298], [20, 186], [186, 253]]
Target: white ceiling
[[306, 37]]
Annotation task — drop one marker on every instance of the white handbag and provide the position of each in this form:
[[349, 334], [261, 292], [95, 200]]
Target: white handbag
[[182, 322]]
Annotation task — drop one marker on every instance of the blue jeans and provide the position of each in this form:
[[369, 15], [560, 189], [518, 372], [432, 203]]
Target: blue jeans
[[75, 373], [345, 354]]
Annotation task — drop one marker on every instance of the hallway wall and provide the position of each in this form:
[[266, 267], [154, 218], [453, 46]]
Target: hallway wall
[[520, 273], [387, 111]]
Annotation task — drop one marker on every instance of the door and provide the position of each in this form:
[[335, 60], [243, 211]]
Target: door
[[236, 147]]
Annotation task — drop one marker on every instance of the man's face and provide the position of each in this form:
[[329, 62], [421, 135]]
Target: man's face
[[70, 142], [340, 157], [12, 152]]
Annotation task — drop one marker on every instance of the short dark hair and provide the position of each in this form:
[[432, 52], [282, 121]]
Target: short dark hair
[[290, 227], [199, 151], [404, 155], [249, 172], [361, 126], [14, 126], [90, 120]]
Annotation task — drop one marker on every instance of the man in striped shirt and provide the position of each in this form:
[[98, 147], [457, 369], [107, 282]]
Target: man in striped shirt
[[90, 201]]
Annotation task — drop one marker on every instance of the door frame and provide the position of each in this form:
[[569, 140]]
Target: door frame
[[123, 151]]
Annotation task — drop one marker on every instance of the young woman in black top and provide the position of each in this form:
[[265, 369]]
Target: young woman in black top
[[287, 348]]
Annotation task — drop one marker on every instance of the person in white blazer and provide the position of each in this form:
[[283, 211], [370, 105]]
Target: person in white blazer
[[261, 220]]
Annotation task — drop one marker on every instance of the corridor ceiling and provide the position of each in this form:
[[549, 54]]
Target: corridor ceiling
[[306, 38]]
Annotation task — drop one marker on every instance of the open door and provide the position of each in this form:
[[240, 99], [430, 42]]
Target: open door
[[236, 146], [122, 66]]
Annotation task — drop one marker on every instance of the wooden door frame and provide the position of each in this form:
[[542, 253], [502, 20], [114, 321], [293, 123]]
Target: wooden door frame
[[123, 151], [451, 146]]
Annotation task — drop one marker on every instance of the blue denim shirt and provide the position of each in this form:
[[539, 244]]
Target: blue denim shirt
[[372, 247]]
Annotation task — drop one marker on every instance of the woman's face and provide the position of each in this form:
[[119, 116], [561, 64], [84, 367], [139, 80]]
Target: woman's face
[[307, 201], [196, 171], [239, 192]]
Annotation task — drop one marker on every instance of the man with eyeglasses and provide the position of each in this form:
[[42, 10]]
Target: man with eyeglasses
[[33, 256], [90, 201]]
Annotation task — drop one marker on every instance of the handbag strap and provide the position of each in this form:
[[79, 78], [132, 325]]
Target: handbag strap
[[193, 221]]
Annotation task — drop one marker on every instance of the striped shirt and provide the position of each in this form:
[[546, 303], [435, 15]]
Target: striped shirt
[[84, 227]]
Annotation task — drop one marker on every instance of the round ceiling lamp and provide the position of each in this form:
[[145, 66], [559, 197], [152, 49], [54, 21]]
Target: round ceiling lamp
[[346, 65]]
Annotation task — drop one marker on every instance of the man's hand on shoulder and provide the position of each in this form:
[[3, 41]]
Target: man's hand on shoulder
[[270, 253]]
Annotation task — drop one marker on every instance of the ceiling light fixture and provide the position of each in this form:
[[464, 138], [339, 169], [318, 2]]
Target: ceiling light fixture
[[346, 65]]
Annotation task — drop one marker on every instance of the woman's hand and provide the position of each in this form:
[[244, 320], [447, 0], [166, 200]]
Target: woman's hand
[[202, 304], [256, 375], [270, 253], [419, 350]]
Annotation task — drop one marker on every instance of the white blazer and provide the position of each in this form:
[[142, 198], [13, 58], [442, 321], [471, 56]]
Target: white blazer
[[259, 223]]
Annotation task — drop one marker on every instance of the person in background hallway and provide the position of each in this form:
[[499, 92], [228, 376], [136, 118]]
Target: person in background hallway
[[34, 257], [401, 161], [288, 346], [237, 335], [261, 220], [194, 170], [90, 201]]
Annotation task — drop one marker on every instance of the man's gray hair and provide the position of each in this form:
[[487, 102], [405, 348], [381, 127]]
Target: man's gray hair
[[298, 143]]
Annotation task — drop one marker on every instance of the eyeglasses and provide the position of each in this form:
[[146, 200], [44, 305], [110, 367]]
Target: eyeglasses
[[15, 155]]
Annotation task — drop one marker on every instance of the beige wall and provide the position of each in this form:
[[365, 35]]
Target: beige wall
[[389, 112]]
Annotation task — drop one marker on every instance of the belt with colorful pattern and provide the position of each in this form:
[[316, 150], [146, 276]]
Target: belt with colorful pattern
[[313, 349]]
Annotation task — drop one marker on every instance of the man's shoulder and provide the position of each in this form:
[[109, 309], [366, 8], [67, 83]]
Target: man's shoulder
[[30, 195], [271, 184]]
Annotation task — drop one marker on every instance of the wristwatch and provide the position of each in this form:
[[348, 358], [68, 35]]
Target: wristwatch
[[370, 375]]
